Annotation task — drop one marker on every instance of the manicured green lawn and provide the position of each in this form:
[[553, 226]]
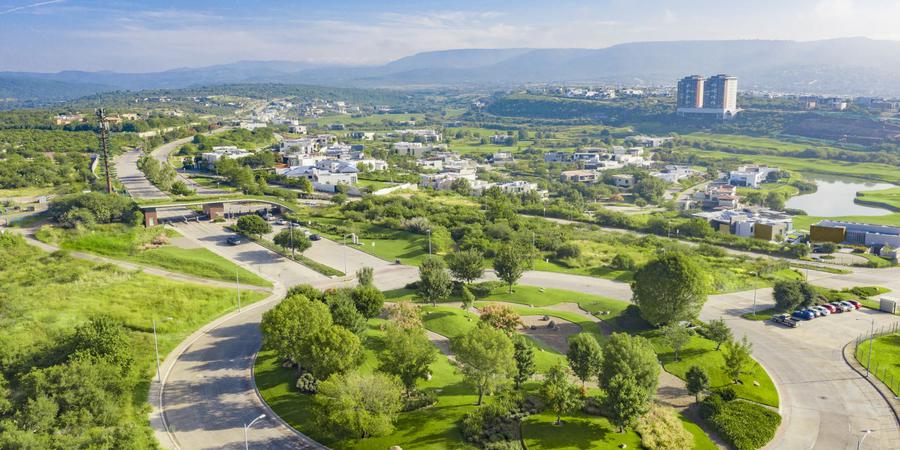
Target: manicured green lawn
[[133, 244], [579, 431], [701, 440], [803, 222], [390, 245], [701, 352], [889, 198], [885, 359], [762, 314]]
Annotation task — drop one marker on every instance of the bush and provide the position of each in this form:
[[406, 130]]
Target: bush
[[568, 250], [660, 429], [490, 423], [745, 425], [419, 399], [307, 383], [484, 288], [622, 262], [727, 394], [711, 405]]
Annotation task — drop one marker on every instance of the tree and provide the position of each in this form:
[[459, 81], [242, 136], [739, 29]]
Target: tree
[[407, 354], [104, 338], [501, 317], [717, 331], [339, 198], [466, 265], [632, 357], [365, 276], [468, 298], [485, 356], [737, 357], [697, 381], [333, 350], [669, 289], [789, 294], [434, 281], [292, 238], [660, 429], [524, 356], [775, 201], [461, 186], [368, 299], [677, 336], [558, 394], [287, 327], [253, 225], [358, 405], [650, 189], [510, 262], [585, 357], [344, 312], [405, 314], [625, 401]]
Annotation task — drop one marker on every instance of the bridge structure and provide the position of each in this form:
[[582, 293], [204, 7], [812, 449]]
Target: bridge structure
[[213, 209]]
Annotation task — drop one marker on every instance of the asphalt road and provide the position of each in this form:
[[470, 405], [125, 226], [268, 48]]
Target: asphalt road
[[162, 153], [824, 403], [133, 179]]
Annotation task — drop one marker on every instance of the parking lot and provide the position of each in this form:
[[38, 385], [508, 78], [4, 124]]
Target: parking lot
[[826, 405]]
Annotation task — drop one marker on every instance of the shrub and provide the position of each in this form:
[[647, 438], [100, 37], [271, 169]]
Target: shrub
[[622, 262], [745, 425], [307, 383], [484, 288], [568, 250], [490, 423], [711, 405], [727, 394], [660, 429]]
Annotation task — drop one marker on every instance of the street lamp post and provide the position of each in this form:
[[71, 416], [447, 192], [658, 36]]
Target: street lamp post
[[247, 429], [755, 287], [237, 278]]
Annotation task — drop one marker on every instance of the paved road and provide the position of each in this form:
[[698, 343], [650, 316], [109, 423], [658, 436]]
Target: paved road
[[209, 394], [162, 153], [825, 404], [133, 179]]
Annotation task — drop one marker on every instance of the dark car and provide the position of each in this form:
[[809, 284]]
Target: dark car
[[314, 237], [803, 314], [785, 320], [235, 240]]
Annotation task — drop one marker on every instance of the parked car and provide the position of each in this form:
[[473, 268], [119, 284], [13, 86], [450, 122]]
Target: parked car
[[830, 308], [314, 237], [235, 240], [786, 320], [803, 315], [849, 306], [821, 309], [814, 311], [280, 222], [855, 303], [841, 307]]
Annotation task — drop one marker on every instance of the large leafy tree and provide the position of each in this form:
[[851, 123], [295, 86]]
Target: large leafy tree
[[510, 262], [287, 327], [559, 395], [407, 354], [405, 314], [717, 331], [585, 357], [333, 350], [524, 356], [253, 225], [103, 338], [466, 265], [632, 357], [625, 401], [358, 405], [434, 281], [368, 299], [669, 289], [292, 239], [344, 312], [485, 356]]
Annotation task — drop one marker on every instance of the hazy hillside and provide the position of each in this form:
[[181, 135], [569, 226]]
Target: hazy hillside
[[855, 66]]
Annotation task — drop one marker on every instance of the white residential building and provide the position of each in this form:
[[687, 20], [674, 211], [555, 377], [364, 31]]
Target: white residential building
[[623, 180], [416, 149], [223, 152], [299, 146], [517, 187], [426, 135], [750, 176]]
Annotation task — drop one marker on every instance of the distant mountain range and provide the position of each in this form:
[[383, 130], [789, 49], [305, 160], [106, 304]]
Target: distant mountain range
[[851, 66]]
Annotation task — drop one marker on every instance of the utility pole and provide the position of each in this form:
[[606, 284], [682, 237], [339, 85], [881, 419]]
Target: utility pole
[[237, 278], [104, 147]]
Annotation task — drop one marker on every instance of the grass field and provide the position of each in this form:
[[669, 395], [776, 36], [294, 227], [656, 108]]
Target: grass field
[[375, 120], [133, 244], [885, 359], [30, 191], [701, 352], [408, 247], [803, 222], [886, 198]]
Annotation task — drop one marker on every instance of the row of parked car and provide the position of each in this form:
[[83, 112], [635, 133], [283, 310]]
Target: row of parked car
[[793, 319]]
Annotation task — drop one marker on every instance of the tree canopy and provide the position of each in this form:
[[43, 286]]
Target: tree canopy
[[670, 288]]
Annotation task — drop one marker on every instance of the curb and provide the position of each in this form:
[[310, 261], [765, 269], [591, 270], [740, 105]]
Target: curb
[[875, 382]]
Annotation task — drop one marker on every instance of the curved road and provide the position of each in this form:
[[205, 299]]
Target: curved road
[[825, 404]]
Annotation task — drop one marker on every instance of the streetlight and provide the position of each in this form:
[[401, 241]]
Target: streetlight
[[755, 287], [859, 444], [237, 278], [247, 428]]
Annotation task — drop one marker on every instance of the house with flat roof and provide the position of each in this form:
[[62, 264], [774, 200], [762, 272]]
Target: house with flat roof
[[750, 176], [580, 176], [755, 222], [854, 233]]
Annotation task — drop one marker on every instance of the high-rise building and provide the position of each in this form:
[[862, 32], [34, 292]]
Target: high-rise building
[[714, 95], [690, 92], [720, 93]]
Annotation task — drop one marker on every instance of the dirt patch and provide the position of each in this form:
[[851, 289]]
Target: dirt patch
[[556, 338]]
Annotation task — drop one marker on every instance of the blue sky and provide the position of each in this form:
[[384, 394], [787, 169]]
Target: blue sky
[[51, 35]]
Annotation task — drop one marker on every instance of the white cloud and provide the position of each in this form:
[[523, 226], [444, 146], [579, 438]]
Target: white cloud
[[33, 5]]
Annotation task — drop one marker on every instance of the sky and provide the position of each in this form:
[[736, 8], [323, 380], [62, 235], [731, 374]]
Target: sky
[[153, 35]]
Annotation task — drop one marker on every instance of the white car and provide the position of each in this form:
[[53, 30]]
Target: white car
[[822, 311]]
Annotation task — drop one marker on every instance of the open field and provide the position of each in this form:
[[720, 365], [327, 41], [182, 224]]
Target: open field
[[803, 222], [885, 363], [375, 120], [885, 198], [135, 244]]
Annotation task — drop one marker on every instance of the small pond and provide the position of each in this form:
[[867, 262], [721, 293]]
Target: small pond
[[834, 197]]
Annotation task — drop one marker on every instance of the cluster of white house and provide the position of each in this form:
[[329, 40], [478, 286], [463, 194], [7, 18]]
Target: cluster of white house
[[451, 168], [325, 162]]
